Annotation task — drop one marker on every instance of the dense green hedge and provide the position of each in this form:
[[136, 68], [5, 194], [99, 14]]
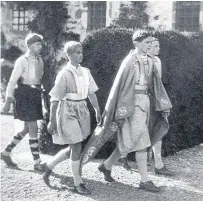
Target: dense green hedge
[[182, 63]]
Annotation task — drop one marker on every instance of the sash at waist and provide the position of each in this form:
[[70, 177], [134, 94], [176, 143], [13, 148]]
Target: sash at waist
[[74, 96], [141, 87]]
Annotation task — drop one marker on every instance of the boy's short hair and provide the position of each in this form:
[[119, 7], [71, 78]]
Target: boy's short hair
[[141, 35], [33, 38], [70, 46]]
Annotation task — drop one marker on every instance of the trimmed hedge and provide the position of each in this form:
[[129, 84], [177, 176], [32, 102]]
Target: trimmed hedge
[[182, 63]]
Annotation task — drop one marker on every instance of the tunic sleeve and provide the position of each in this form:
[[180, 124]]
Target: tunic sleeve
[[59, 90], [92, 86]]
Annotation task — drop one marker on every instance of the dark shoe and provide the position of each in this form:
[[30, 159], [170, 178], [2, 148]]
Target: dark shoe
[[107, 173], [8, 160], [149, 186], [47, 173], [39, 167], [164, 171], [81, 189], [125, 164]]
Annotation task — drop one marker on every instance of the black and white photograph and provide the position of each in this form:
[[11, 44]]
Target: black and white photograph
[[101, 100]]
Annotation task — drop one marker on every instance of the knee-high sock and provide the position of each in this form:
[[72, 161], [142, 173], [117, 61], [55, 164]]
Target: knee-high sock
[[59, 157], [113, 158], [16, 140], [75, 168], [141, 158], [157, 155], [34, 147]]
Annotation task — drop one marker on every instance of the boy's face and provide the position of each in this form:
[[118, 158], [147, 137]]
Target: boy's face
[[155, 48], [145, 45], [77, 55], [36, 48]]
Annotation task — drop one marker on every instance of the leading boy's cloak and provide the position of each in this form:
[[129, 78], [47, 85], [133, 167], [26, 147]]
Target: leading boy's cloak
[[121, 104]]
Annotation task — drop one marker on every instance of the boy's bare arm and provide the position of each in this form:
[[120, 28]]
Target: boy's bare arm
[[93, 99], [52, 121]]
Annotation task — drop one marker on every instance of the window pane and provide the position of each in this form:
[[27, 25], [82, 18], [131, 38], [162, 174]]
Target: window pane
[[15, 27], [15, 13], [26, 20], [96, 14], [15, 21], [22, 14], [21, 20], [187, 16], [21, 27]]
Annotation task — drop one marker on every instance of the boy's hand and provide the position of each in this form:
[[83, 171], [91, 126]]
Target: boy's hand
[[165, 115], [6, 108], [120, 122], [51, 127], [7, 105]]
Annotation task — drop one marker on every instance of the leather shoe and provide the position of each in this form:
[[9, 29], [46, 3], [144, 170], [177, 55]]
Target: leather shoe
[[107, 173], [125, 164], [8, 160], [149, 186], [164, 171], [81, 189], [39, 167], [47, 173]]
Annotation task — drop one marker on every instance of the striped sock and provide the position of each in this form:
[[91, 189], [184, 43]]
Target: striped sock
[[34, 147], [16, 139]]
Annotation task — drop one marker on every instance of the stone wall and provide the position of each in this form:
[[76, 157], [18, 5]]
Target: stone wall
[[13, 37], [160, 14]]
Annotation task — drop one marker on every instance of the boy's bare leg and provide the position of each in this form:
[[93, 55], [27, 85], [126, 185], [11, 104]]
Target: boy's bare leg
[[59, 157], [49, 165], [75, 168]]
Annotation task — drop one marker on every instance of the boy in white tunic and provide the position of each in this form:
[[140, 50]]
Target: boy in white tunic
[[69, 114]]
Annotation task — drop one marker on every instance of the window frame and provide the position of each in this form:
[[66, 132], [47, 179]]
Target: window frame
[[95, 7], [20, 15], [187, 16]]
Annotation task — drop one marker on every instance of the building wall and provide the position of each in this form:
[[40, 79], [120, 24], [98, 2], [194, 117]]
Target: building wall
[[78, 22], [12, 36], [160, 14], [201, 16], [79, 13]]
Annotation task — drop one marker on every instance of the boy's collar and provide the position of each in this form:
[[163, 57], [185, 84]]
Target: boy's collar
[[75, 67], [28, 53]]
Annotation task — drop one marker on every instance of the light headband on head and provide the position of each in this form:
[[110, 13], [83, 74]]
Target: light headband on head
[[140, 35]]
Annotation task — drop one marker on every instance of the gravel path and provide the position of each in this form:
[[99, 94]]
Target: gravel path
[[24, 184]]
